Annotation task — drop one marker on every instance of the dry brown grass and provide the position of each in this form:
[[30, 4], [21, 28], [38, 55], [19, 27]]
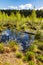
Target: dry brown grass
[[11, 59], [7, 49]]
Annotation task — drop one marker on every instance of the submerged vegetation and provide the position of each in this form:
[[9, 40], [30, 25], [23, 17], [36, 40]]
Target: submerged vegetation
[[11, 51]]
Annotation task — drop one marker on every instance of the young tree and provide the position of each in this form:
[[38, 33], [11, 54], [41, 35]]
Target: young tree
[[0, 17], [33, 15]]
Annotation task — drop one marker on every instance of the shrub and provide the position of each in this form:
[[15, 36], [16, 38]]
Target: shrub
[[24, 58], [1, 48], [33, 47], [15, 48], [38, 35], [13, 45], [39, 63], [41, 47], [31, 63], [42, 26], [19, 55], [29, 56], [40, 57]]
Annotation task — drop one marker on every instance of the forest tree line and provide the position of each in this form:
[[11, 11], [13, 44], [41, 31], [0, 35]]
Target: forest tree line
[[26, 13]]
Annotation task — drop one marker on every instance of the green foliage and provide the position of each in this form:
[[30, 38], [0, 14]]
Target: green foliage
[[40, 63], [20, 22], [1, 48], [29, 56], [24, 58], [13, 45], [18, 16], [33, 15], [41, 47], [33, 47], [19, 55], [38, 44], [42, 26], [38, 35], [40, 57], [31, 63]]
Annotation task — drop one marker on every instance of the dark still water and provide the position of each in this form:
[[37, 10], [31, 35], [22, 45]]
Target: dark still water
[[23, 39]]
